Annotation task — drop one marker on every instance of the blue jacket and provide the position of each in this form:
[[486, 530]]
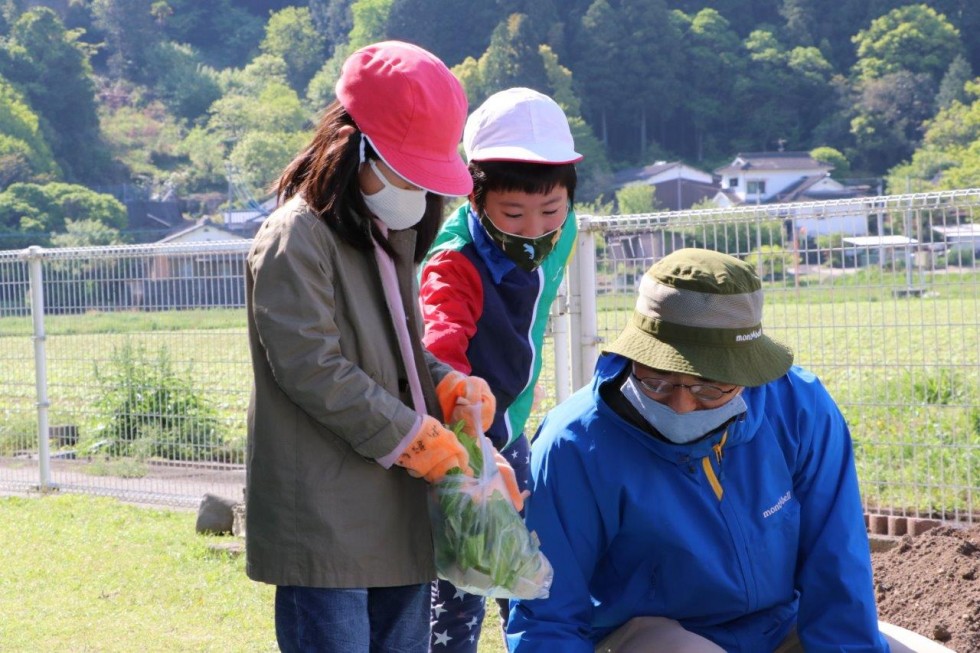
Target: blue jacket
[[485, 316], [738, 536]]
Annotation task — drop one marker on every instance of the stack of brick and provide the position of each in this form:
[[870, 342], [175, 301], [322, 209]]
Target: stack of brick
[[884, 531]]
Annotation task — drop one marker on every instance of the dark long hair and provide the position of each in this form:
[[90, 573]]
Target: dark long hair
[[325, 172]]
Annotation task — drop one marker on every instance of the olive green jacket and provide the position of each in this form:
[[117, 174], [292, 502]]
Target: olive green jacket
[[331, 396]]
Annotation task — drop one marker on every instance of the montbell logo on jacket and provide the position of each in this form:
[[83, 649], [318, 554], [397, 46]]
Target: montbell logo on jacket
[[490, 320]]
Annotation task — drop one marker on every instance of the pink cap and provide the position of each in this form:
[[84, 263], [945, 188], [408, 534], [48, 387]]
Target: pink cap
[[519, 124], [412, 110]]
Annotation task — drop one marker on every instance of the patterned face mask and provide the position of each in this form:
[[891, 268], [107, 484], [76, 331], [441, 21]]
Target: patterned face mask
[[526, 253]]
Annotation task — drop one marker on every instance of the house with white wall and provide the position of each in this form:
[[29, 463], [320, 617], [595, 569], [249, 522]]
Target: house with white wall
[[246, 221], [960, 236], [767, 177], [784, 177]]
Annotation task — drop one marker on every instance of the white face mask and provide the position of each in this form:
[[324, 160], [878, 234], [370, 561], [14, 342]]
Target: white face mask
[[398, 208], [680, 428]]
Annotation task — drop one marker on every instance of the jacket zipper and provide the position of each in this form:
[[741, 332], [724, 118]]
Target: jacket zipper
[[709, 471]]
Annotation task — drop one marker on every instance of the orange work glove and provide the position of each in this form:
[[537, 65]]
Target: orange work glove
[[434, 451], [510, 481], [458, 393]]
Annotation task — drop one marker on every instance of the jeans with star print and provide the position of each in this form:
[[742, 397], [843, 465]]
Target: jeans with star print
[[457, 617]]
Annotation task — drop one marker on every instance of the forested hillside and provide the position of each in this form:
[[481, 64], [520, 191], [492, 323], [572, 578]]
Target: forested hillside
[[160, 98]]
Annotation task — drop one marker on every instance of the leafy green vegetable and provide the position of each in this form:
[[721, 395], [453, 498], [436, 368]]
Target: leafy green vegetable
[[482, 545], [472, 448]]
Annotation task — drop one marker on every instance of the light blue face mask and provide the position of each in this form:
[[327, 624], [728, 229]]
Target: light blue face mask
[[680, 428]]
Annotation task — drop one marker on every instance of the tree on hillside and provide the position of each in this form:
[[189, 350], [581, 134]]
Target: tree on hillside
[[781, 95], [182, 82], [965, 15], [889, 113], [901, 58], [290, 35], [914, 38], [593, 171], [949, 157], [560, 83], [637, 198], [509, 62], [370, 23], [802, 20], [24, 154], [595, 68], [49, 65], [545, 20], [810, 23], [86, 233], [651, 37], [44, 210], [841, 166], [952, 86], [225, 33], [369, 20], [745, 15], [450, 29], [131, 32], [512, 59], [333, 19], [628, 64], [144, 138], [257, 124], [714, 60]]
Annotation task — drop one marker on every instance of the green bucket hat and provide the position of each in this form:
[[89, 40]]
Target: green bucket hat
[[699, 312]]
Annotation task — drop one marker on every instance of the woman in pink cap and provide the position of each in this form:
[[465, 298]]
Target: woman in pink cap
[[342, 438]]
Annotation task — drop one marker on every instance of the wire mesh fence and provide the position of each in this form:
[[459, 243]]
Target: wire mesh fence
[[134, 379], [877, 296], [138, 371]]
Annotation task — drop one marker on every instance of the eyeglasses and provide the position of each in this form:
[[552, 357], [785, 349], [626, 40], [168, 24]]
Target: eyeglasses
[[705, 391]]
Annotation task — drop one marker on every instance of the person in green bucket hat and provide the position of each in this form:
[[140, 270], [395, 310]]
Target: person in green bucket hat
[[700, 494]]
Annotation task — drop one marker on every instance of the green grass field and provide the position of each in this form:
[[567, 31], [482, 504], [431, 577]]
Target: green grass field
[[87, 574], [906, 372], [92, 574]]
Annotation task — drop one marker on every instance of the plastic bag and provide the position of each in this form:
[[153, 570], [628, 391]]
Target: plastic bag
[[481, 543]]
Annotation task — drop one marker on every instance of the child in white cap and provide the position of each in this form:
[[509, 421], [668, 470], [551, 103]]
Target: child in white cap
[[345, 428], [489, 281]]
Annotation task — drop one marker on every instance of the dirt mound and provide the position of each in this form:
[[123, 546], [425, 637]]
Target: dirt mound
[[930, 584]]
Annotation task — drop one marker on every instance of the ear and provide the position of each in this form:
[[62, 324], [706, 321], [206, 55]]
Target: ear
[[472, 198], [345, 131]]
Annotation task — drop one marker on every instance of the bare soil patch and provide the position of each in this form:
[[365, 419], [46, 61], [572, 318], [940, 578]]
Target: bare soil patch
[[930, 584]]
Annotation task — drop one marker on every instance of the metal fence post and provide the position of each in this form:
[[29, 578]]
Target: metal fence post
[[588, 342], [560, 319], [40, 365], [574, 308]]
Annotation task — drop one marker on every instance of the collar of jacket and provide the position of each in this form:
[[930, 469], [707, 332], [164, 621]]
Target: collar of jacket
[[742, 430]]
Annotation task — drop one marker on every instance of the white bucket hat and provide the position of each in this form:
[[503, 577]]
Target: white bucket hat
[[519, 124]]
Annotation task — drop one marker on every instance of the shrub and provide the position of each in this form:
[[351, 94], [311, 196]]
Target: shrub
[[149, 409], [772, 261], [961, 256], [16, 433], [939, 388]]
